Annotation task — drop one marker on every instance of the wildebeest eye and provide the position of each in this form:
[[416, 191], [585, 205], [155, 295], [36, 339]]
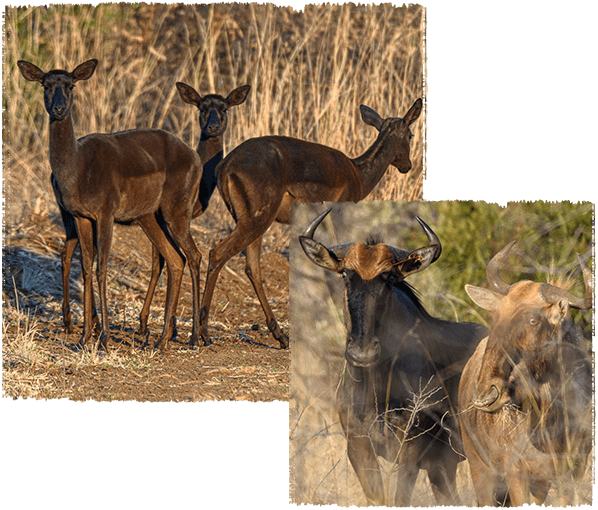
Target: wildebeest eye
[[388, 277]]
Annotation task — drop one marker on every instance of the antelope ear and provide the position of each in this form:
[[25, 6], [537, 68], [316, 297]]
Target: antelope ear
[[484, 298], [238, 96], [370, 117], [31, 72], [414, 112], [188, 94], [320, 255], [85, 70]]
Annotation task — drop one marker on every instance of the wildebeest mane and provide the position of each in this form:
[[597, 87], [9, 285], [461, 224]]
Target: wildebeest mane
[[373, 240], [412, 294]]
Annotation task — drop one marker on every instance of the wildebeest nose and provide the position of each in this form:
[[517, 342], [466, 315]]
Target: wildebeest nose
[[363, 353]]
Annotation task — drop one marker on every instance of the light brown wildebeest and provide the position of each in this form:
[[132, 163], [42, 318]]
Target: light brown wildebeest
[[525, 395], [397, 397]]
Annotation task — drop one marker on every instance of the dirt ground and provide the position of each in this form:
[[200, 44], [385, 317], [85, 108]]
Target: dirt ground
[[41, 361]]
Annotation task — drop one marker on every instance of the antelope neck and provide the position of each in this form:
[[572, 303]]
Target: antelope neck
[[211, 152], [375, 160], [63, 146]]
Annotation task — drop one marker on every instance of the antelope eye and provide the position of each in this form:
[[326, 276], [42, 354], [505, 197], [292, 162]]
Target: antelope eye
[[344, 274], [533, 321]]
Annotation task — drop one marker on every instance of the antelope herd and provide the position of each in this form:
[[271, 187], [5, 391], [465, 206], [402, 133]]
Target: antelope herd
[[515, 400]]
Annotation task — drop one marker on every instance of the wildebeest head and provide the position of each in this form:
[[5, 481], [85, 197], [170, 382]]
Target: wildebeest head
[[372, 272], [531, 320]]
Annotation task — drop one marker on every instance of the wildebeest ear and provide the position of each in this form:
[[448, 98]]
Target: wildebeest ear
[[320, 255], [418, 260], [484, 298]]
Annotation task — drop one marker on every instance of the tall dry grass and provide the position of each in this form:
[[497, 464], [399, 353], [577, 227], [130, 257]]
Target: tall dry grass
[[309, 72]]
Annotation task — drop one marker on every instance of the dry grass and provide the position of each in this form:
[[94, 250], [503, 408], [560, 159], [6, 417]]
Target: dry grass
[[373, 56], [29, 364]]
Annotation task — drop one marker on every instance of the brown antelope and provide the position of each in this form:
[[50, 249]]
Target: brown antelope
[[261, 178], [137, 176], [213, 122]]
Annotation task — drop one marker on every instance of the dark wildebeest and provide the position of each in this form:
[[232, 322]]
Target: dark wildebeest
[[398, 394], [526, 393]]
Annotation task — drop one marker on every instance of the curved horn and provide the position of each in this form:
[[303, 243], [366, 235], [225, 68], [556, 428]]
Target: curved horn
[[315, 223], [339, 250], [433, 240], [552, 294], [420, 259], [492, 270]]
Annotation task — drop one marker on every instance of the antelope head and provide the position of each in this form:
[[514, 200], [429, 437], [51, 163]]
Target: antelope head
[[396, 129], [58, 85], [212, 108]]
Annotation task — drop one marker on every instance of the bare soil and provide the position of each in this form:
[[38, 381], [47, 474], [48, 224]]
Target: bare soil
[[40, 360]]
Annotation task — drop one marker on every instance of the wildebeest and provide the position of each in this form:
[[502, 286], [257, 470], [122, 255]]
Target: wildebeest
[[398, 394], [526, 394]]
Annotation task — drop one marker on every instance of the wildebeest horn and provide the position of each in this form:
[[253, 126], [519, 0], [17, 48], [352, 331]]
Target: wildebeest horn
[[433, 240], [340, 250], [315, 223], [492, 270], [553, 295]]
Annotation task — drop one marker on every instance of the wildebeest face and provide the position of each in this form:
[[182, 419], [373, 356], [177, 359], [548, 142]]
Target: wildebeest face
[[530, 321], [527, 339], [370, 272], [365, 302]]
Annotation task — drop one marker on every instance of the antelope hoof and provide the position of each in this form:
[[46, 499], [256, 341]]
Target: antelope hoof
[[203, 336], [161, 345], [68, 322], [284, 341], [278, 334], [103, 343]]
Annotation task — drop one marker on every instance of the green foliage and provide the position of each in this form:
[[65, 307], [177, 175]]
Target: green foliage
[[547, 235]]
